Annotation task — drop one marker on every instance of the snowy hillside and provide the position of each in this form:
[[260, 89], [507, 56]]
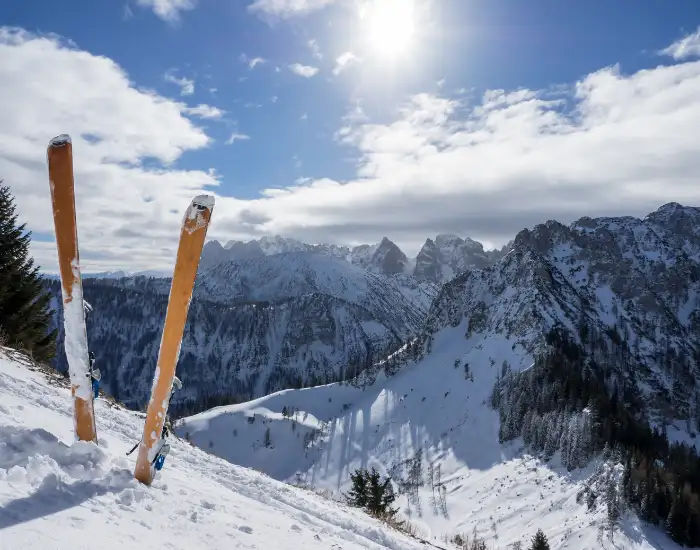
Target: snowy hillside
[[58, 494], [430, 428]]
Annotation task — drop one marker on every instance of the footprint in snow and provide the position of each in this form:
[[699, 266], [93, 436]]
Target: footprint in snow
[[246, 529], [296, 528]]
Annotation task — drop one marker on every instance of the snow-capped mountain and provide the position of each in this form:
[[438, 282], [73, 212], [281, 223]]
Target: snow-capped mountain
[[625, 293], [438, 261], [445, 257], [255, 325], [628, 283], [57, 493]]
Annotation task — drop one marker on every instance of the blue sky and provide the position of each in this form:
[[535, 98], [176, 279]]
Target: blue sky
[[388, 143]]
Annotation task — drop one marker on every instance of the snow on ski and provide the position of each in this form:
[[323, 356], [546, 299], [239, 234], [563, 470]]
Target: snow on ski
[[60, 161], [194, 230]]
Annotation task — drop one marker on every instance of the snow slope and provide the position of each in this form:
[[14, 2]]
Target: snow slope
[[430, 428], [58, 494]]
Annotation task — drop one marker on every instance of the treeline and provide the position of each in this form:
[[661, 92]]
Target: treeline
[[577, 406]]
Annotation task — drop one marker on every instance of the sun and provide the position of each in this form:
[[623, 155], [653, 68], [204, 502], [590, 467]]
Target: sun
[[389, 27]]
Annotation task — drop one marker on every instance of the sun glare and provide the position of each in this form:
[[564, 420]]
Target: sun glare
[[389, 27]]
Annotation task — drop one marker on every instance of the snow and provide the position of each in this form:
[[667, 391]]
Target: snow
[[76, 337], [60, 140], [195, 212], [205, 201], [435, 410], [58, 494]]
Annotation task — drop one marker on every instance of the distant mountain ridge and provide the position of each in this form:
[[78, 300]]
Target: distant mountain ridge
[[438, 260]]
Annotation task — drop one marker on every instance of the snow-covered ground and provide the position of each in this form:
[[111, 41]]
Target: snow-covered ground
[[55, 493], [429, 427]]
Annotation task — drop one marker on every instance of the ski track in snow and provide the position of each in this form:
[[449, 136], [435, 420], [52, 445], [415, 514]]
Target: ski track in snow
[[55, 493]]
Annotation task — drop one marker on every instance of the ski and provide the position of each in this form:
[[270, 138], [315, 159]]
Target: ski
[[60, 161], [194, 230]]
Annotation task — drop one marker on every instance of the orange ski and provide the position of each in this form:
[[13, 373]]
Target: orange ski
[[194, 229], [60, 161]]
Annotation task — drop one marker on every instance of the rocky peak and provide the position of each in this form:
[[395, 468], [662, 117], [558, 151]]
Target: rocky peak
[[389, 258]]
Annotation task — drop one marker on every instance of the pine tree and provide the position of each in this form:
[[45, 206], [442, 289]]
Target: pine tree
[[357, 496], [539, 541], [24, 313], [374, 494]]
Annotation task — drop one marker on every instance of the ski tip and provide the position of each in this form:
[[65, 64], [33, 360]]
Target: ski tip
[[204, 201], [60, 141]]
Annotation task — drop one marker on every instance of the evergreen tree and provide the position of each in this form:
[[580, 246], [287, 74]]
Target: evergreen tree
[[539, 541], [24, 313], [374, 494], [357, 496]]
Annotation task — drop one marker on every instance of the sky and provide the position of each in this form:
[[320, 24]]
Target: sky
[[345, 121]]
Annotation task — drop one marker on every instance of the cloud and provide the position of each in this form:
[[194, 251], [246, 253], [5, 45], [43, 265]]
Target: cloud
[[343, 61], [315, 49], [236, 136], [684, 48], [307, 71], [609, 144], [168, 10], [115, 128], [255, 61], [285, 9], [204, 111], [252, 62], [186, 85]]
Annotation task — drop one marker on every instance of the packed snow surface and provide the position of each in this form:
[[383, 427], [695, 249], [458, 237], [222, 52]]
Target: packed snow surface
[[57, 493]]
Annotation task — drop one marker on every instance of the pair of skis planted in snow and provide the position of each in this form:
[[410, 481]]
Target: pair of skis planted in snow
[[194, 229]]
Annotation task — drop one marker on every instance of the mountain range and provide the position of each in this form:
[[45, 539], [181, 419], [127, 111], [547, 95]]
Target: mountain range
[[480, 395], [277, 313], [476, 419]]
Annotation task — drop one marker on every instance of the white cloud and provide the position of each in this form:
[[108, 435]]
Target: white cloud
[[255, 61], [315, 49], [343, 61], [186, 85], [307, 71], [168, 10], [204, 111], [128, 214], [285, 9], [252, 62], [686, 47], [236, 136], [609, 144]]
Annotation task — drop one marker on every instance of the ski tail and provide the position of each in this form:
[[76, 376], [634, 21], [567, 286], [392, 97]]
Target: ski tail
[[60, 161], [194, 230]]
